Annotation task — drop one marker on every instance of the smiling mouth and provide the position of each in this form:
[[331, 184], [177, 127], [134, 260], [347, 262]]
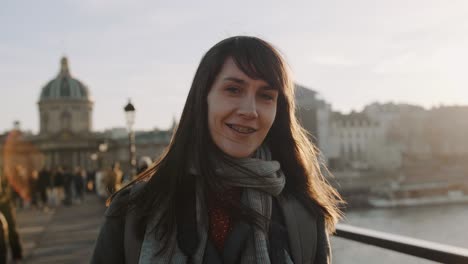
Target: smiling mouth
[[241, 129]]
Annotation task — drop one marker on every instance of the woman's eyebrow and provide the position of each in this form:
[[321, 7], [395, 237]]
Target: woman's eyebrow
[[241, 81], [234, 79], [268, 87]]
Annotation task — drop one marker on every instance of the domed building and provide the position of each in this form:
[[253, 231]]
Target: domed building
[[66, 137], [65, 121], [65, 104]]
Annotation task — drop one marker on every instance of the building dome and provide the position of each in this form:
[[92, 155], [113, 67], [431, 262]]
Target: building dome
[[64, 86]]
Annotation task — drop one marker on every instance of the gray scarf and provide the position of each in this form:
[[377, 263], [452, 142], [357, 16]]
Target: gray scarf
[[261, 179]]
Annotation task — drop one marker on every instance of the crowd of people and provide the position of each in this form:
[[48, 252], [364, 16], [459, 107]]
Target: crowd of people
[[46, 188], [62, 186], [51, 187], [59, 185]]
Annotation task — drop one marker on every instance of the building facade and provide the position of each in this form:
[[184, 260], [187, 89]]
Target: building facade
[[65, 122], [314, 115], [66, 137]]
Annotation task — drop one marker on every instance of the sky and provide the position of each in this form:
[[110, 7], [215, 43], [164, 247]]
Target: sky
[[351, 52]]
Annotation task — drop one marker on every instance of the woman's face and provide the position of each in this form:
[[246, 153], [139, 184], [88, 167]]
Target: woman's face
[[241, 111]]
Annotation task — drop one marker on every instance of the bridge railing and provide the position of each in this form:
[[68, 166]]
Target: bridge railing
[[411, 246]]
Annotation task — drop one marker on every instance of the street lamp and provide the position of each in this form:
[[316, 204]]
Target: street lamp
[[130, 117], [103, 147]]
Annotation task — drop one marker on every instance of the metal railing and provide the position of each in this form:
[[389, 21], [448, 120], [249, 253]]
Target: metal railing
[[411, 246]]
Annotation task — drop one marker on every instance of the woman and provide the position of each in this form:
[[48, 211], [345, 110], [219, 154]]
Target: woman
[[239, 182]]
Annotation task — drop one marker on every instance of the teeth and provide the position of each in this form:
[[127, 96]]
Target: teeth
[[242, 129]]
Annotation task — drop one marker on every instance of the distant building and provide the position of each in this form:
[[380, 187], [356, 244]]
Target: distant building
[[314, 115], [148, 143], [66, 137], [377, 137], [402, 126], [445, 130], [65, 117]]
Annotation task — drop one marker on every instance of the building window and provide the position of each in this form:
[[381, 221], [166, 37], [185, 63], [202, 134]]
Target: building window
[[65, 120], [45, 122], [351, 152], [358, 154], [343, 152]]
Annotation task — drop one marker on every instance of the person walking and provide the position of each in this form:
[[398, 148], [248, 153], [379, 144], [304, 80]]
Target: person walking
[[7, 210], [113, 178], [33, 188], [79, 178], [58, 185], [43, 184], [67, 186]]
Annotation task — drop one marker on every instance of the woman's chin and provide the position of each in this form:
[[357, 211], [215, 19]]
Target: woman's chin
[[237, 153]]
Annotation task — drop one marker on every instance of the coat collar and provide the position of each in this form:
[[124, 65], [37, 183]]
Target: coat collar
[[302, 230]]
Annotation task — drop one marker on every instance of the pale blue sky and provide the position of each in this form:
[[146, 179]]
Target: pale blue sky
[[352, 52]]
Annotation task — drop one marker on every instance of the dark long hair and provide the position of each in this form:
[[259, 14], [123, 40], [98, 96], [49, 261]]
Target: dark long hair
[[170, 188]]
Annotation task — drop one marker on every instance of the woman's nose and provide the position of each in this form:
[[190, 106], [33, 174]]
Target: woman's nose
[[248, 108]]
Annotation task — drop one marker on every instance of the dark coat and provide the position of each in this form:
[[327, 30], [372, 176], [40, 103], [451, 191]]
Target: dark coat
[[307, 238], [44, 180]]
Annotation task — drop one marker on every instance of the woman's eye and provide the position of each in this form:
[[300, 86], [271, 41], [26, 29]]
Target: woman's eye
[[267, 97], [233, 90]]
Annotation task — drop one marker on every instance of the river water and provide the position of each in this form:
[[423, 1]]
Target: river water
[[446, 224]]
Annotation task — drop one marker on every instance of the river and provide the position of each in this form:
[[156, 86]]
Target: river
[[446, 224]]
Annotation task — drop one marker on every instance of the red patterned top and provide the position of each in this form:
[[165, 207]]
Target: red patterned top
[[220, 216]]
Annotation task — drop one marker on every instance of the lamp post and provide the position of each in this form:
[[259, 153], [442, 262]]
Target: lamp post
[[130, 117]]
